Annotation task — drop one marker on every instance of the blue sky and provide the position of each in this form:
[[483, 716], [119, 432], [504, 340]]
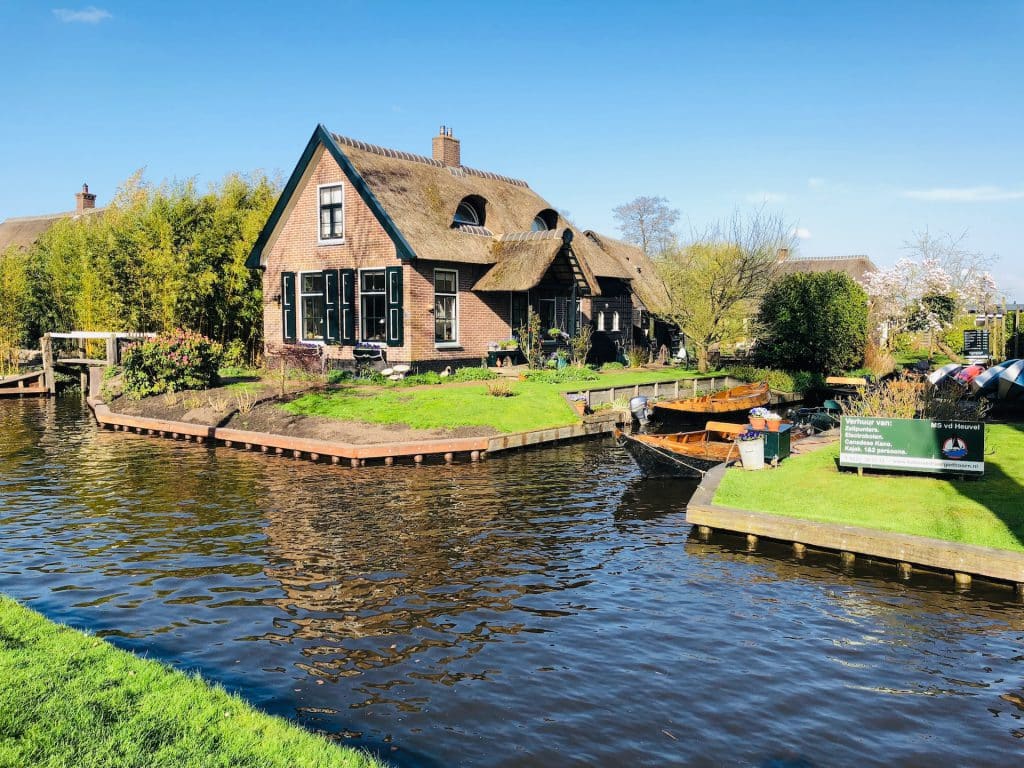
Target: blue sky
[[862, 122]]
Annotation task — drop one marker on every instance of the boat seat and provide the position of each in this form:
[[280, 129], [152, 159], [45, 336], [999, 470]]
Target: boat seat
[[724, 426]]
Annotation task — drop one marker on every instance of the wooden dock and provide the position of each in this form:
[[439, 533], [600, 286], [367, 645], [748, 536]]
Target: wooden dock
[[23, 385], [51, 344]]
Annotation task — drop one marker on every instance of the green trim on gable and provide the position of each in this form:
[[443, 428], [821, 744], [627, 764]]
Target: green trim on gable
[[322, 136]]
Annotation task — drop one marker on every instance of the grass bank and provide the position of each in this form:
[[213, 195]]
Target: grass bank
[[532, 406], [987, 512], [69, 699]]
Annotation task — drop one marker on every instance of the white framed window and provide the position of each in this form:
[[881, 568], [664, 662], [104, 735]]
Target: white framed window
[[332, 213], [312, 311], [446, 307], [615, 321], [373, 305], [600, 320]]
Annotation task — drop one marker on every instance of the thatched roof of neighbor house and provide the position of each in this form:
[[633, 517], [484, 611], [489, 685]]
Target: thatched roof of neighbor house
[[418, 197], [854, 266]]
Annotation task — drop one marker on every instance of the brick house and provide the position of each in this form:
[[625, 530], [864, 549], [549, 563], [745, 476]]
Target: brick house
[[375, 253]]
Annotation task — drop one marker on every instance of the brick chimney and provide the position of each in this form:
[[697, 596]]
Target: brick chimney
[[446, 148], [84, 199]]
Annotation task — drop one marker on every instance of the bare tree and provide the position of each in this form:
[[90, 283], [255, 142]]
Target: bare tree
[[647, 222], [715, 282]]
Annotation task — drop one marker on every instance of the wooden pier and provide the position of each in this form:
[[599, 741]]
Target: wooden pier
[[51, 344], [23, 385]]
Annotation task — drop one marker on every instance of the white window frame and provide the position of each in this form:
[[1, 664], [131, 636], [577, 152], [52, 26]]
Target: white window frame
[[455, 343], [600, 320], [319, 232], [300, 314], [615, 321], [359, 303]]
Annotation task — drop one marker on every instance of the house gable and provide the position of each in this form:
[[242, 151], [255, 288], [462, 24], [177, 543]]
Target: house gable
[[321, 141]]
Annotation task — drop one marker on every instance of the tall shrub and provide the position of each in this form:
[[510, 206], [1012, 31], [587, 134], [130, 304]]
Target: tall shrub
[[813, 322]]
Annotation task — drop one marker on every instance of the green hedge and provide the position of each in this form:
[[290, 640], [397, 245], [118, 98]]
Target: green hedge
[[800, 382]]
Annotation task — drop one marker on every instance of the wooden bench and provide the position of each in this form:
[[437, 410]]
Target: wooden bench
[[725, 427]]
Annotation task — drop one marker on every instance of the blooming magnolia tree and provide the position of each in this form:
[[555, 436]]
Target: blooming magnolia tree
[[926, 293]]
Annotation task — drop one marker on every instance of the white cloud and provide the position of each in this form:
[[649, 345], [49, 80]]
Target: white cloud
[[766, 197], [90, 15], [802, 233], [815, 182], [965, 194]]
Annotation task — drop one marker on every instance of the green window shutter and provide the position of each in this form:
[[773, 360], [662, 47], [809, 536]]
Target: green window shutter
[[331, 306], [348, 306], [288, 315], [396, 314]]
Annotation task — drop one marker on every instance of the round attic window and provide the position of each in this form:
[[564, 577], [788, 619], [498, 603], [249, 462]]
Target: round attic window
[[467, 213], [545, 220]]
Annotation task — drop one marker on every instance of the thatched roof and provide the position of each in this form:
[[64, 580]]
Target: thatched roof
[[525, 258], [415, 199], [854, 266], [635, 267], [21, 233]]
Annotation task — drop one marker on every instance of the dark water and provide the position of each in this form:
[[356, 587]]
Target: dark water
[[543, 609]]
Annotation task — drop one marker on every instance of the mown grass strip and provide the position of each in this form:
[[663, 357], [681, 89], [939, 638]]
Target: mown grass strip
[[986, 512], [533, 406], [69, 699]]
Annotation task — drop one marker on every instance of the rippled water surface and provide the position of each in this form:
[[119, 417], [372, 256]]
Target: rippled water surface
[[541, 609]]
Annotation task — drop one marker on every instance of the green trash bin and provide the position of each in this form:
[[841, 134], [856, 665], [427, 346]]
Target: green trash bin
[[776, 444]]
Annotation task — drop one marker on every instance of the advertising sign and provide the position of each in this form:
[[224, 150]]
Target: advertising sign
[[913, 445]]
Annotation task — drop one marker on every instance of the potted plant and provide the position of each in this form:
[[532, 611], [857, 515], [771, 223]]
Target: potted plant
[[751, 446], [772, 422], [757, 418]]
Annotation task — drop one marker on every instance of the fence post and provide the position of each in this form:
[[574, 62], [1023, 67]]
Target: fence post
[[46, 345], [111, 350]]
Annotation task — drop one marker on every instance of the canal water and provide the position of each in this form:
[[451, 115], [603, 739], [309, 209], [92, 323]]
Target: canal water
[[539, 609]]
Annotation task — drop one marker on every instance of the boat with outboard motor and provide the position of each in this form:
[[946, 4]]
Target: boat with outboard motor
[[683, 454]]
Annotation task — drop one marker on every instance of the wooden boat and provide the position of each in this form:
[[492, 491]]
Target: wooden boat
[[683, 454], [848, 386], [741, 398]]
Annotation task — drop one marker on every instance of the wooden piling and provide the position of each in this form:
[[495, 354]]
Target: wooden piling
[[751, 542], [847, 559], [799, 550], [704, 532], [903, 570], [962, 580]]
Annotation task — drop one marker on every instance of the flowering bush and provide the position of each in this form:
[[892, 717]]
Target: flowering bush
[[759, 412], [170, 363]]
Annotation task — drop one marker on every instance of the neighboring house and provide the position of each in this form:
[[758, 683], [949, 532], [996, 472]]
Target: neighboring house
[[854, 266], [22, 232], [377, 253]]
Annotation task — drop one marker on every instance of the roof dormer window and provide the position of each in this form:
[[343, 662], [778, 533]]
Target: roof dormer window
[[470, 212], [544, 221]]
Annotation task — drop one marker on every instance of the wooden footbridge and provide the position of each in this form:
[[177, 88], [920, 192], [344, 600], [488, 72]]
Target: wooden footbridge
[[68, 351]]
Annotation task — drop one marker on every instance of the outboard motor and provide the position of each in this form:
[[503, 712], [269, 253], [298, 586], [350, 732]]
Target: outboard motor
[[640, 409]]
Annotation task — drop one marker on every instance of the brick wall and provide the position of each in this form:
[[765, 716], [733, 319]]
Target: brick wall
[[482, 318]]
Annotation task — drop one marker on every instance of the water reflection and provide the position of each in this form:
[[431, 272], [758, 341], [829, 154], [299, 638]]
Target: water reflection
[[546, 608]]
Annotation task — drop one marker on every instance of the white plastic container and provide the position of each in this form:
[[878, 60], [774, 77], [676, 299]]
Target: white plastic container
[[752, 453]]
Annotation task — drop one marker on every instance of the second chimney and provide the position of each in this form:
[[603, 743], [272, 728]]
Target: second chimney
[[84, 199], [446, 148]]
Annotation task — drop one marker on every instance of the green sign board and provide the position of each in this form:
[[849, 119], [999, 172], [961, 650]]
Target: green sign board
[[913, 445]]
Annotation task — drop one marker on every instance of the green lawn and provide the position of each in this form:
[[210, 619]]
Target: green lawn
[[987, 512], [534, 406], [69, 699]]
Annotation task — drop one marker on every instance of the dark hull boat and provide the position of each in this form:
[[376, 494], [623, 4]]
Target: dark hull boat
[[682, 454], [741, 398], [1011, 382], [987, 382]]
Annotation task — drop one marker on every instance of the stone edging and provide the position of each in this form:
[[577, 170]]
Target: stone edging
[[963, 560]]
